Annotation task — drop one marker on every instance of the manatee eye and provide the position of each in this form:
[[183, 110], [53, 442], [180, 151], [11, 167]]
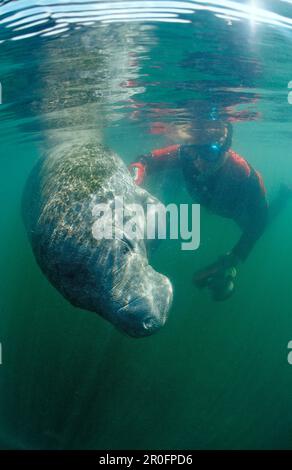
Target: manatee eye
[[125, 249], [127, 246]]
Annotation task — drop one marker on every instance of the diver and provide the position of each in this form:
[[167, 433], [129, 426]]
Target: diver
[[224, 183]]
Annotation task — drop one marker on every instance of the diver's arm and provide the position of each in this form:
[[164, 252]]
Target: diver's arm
[[258, 214], [166, 157], [220, 276], [248, 239]]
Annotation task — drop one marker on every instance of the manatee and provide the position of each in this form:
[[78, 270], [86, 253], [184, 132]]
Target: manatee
[[111, 277]]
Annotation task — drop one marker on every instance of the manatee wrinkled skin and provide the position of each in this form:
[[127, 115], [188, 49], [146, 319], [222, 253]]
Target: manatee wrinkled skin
[[110, 277]]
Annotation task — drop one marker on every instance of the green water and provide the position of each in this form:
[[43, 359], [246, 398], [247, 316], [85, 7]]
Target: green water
[[217, 375]]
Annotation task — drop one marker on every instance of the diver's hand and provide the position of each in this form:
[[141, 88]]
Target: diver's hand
[[219, 277], [137, 170]]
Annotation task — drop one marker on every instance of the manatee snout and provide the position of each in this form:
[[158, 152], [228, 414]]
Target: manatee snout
[[147, 313]]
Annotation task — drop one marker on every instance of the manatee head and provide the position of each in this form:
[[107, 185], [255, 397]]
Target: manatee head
[[138, 298]]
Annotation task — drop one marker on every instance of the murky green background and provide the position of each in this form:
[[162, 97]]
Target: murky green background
[[217, 376]]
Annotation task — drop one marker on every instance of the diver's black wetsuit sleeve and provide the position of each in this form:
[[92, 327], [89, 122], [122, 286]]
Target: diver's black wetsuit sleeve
[[255, 218]]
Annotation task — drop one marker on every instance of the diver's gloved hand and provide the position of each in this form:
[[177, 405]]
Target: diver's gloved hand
[[137, 170], [219, 277]]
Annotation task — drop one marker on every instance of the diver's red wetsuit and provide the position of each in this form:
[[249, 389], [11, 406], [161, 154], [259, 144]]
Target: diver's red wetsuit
[[235, 190]]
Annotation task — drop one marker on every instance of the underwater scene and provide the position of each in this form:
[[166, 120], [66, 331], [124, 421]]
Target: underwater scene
[[146, 236]]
